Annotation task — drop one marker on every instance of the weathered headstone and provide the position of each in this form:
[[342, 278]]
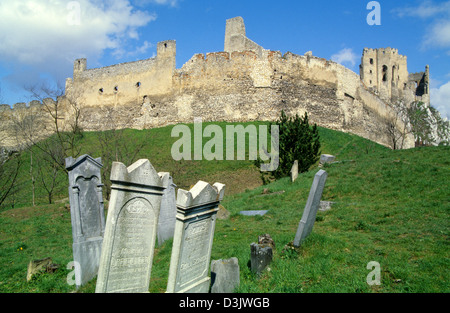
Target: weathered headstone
[[87, 215], [193, 238], [294, 171], [326, 158], [260, 257], [224, 275], [168, 211], [130, 234], [312, 205]]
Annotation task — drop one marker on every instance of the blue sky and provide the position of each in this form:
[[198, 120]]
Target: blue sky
[[40, 39]]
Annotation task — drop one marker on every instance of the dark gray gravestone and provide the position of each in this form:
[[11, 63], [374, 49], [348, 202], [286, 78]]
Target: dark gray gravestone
[[312, 206], [224, 275], [168, 211], [87, 215], [260, 257], [130, 233]]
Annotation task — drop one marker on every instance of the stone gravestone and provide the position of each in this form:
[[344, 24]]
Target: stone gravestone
[[224, 275], [326, 158], [87, 215], [260, 257], [294, 171], [312, 205], [130, 234], [168, 211], [193, 238]]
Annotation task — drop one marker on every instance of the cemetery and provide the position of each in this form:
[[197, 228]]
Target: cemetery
[[160, 232]]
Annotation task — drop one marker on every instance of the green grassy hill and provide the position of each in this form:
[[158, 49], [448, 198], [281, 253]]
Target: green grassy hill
[[391, 207]]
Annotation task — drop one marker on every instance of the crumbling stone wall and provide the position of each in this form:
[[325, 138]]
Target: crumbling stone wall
[[243, 83]]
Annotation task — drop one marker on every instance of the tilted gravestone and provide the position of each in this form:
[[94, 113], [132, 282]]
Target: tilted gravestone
[[168, 211], [87, 215], [224, 275], [193, 238], [312, 206], [130, 234]]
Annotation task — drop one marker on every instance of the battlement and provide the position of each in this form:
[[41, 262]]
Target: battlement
[[244, 82]]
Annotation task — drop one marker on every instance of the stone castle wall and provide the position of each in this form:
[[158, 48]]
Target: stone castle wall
[[243, 83]]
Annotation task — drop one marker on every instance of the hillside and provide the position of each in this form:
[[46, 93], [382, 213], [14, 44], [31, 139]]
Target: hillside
[[390, 206]]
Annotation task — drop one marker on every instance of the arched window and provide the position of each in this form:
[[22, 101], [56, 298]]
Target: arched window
[[385, 73]]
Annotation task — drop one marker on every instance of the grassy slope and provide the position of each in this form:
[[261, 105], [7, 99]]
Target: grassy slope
[[391, 207]]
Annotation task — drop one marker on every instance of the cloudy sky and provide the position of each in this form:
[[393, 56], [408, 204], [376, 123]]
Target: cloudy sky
[[40, 39]]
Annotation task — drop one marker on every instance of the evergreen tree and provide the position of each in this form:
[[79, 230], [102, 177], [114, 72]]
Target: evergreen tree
[[297, 141]]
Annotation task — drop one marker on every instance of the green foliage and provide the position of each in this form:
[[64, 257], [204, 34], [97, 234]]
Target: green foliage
[[390, 206], [297, 141], [423, 119]]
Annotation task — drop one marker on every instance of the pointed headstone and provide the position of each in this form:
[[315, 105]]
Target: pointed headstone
[[131, 225], [193, 238], [87, 215]]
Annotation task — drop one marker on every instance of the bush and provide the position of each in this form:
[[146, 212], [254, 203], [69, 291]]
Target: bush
[[297, 141]]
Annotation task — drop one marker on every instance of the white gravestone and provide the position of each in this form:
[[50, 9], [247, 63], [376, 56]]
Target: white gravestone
[[87, 215], [312, 206], [168, 211], [130, 234], [193, 238], [294, 171]]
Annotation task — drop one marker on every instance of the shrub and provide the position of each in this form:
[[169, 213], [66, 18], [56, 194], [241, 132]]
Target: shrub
[[297, 141]]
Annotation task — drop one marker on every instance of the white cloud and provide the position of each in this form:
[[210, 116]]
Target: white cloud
[[171, 3], [440, 99], [345, 57], [426, 9], [48, 35], [437, 34]]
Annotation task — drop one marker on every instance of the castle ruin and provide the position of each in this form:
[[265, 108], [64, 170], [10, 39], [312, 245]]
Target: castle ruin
[[245, 82]]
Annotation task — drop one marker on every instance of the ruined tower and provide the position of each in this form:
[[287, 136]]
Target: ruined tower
[[385, 72]]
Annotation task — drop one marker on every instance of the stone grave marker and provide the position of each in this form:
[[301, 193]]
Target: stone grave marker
[[326, 158], [260, 257], [131, 225], [312, 205], [224, 275], [87, 215], [294, 171], [193, 238], [254, 212], [168, 211]]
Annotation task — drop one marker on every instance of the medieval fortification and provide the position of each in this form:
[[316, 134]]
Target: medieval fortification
[[245, 82]]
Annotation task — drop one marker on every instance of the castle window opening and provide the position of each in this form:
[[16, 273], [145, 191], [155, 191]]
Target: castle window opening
[[100, 90], [371, 61], [384, 73], [116, 88], [138, 84], [165, 45]]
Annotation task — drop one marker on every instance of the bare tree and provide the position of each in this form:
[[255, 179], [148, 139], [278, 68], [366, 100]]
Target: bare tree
[[10, 163], [115, 146], [25, 124], [66, 131]]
